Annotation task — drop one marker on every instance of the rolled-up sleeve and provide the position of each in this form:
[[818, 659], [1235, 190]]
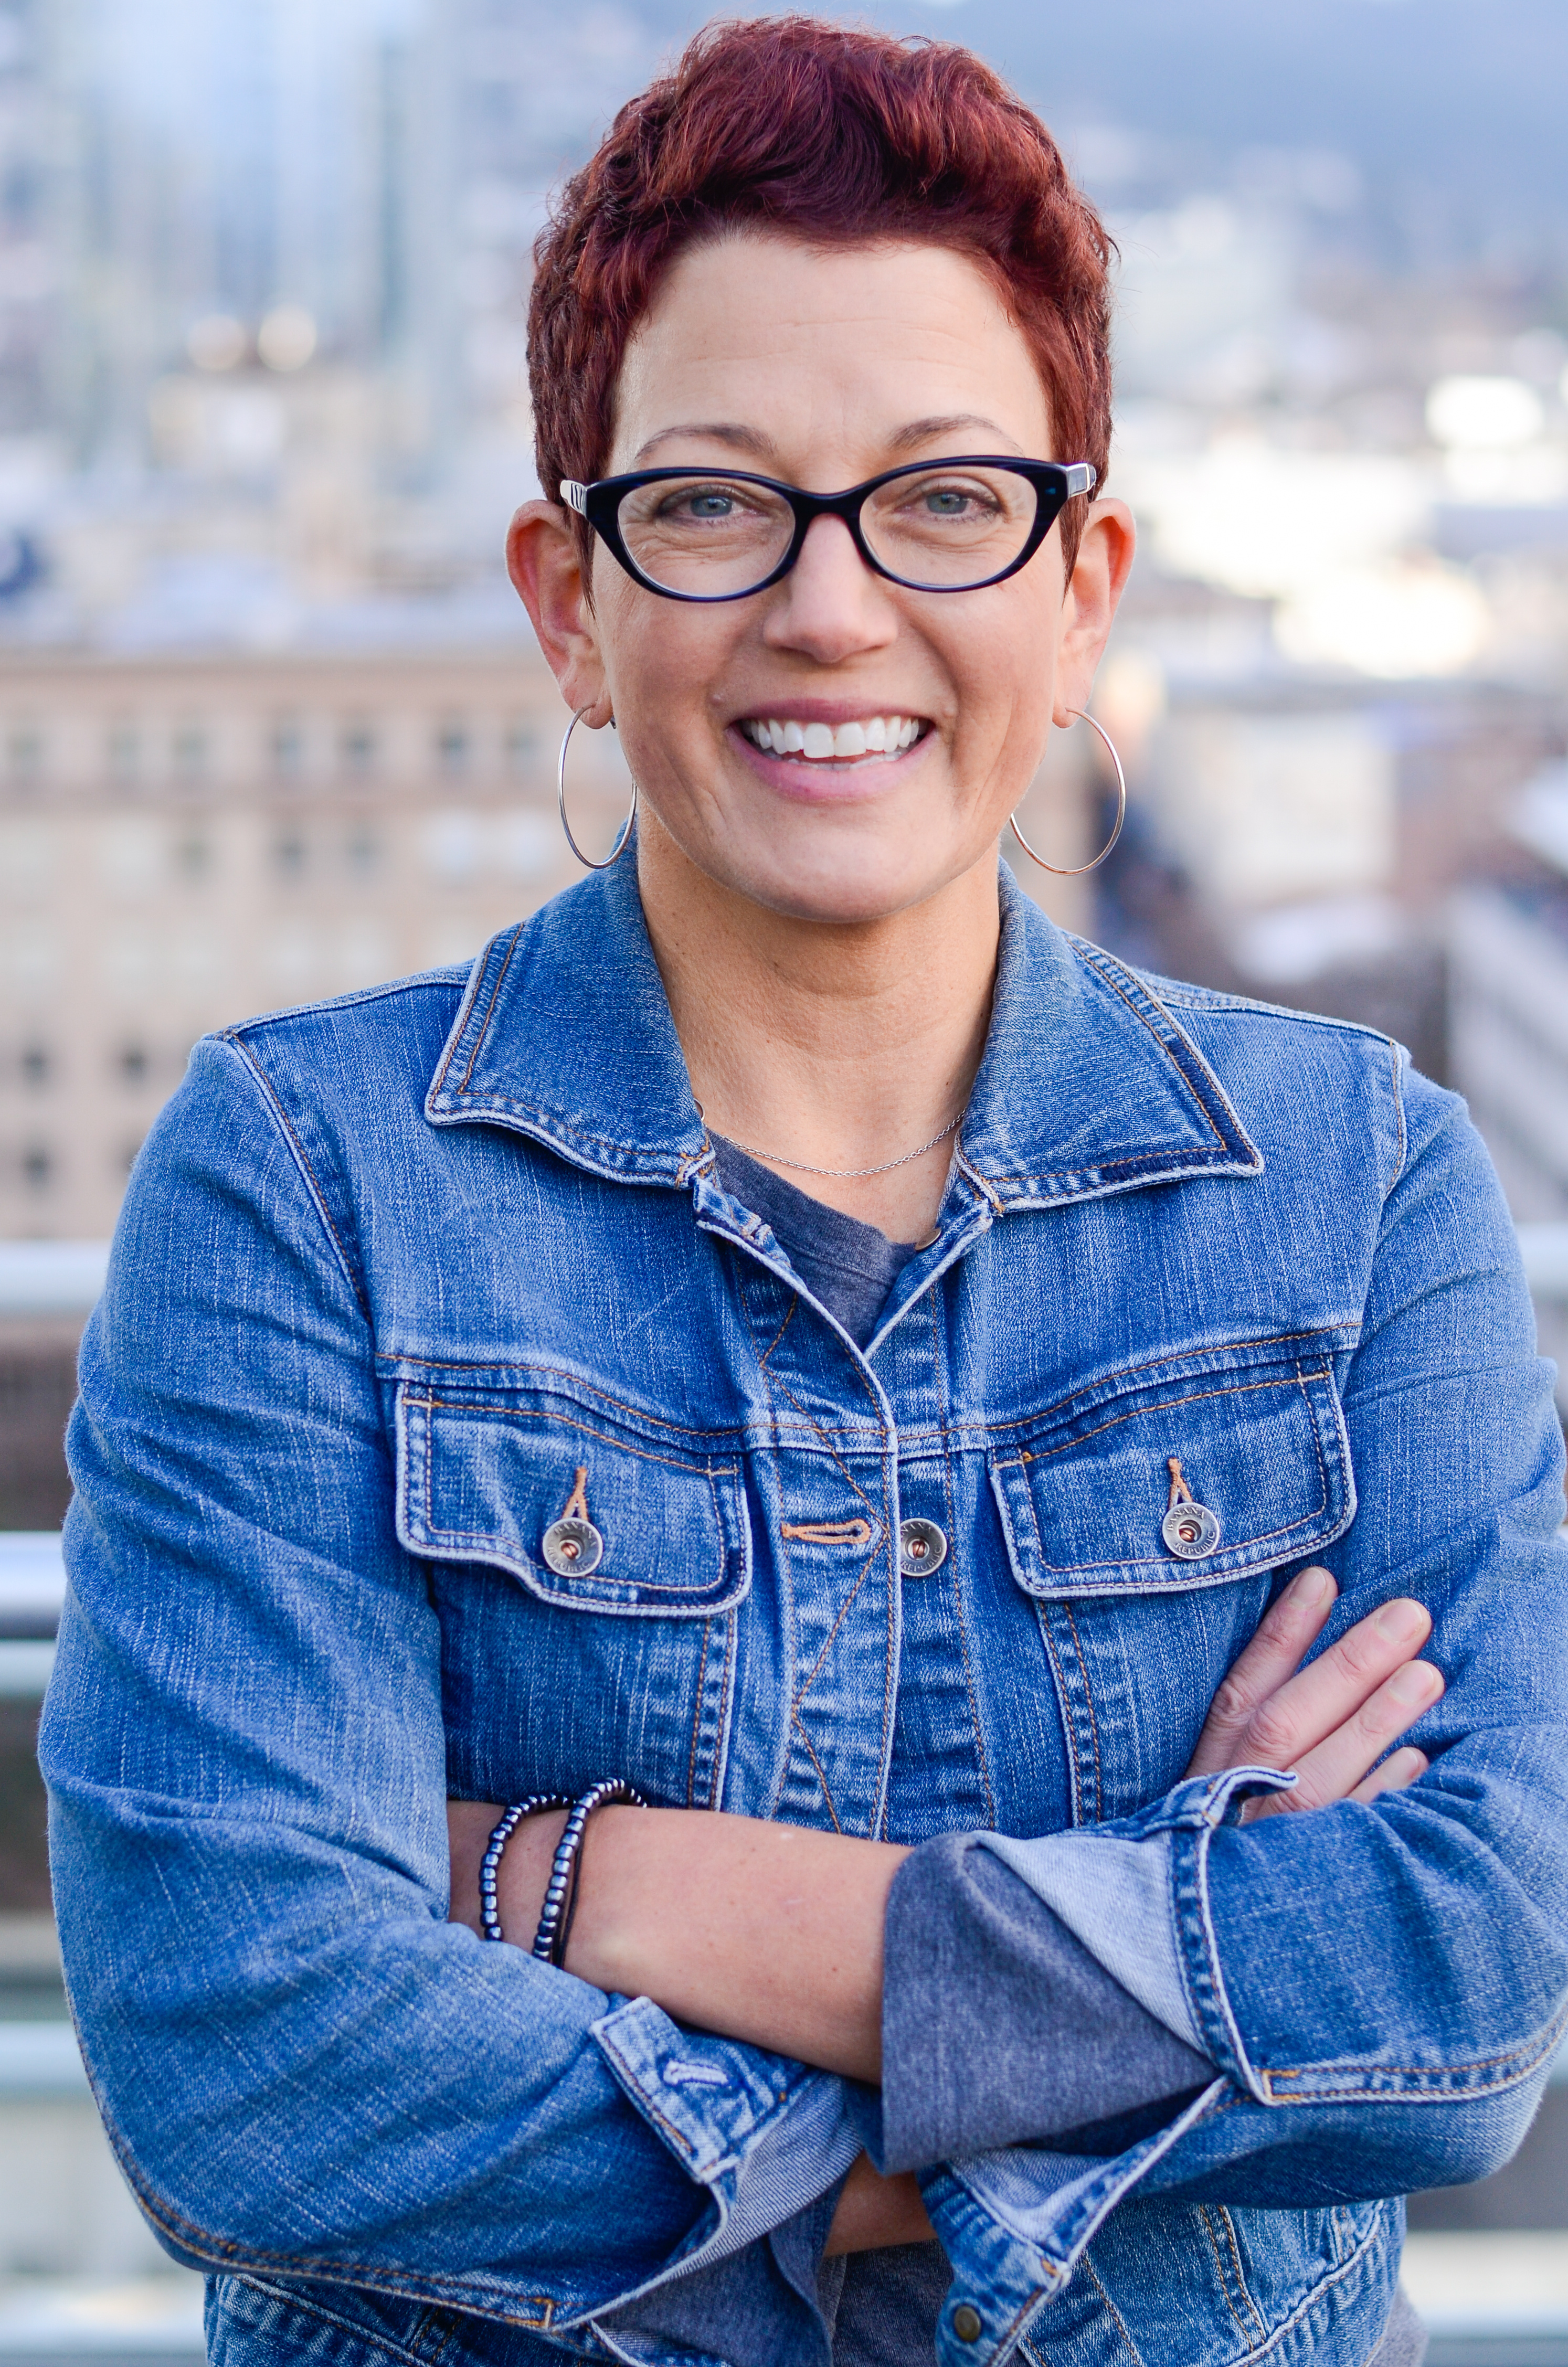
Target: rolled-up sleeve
[[1000, 2026]]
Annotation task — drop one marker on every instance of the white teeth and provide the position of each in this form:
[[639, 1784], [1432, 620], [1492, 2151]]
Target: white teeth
[[877, 735]]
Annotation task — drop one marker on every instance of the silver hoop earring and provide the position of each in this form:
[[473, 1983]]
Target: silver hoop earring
[[560, 801], [1076, 870]]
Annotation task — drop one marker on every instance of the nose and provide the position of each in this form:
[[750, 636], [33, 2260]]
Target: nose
[[830, 606]]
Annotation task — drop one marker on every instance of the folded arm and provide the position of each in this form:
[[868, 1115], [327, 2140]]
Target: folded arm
[[305, 2069], [775, 1933]]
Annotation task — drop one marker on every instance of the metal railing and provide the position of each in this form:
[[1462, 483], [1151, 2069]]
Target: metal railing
[[52, 1278]]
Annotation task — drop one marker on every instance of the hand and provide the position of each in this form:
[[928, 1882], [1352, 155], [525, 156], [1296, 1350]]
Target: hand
[[1330, 1723]]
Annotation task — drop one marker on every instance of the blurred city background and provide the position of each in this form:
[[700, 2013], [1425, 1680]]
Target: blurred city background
[[272, 724]]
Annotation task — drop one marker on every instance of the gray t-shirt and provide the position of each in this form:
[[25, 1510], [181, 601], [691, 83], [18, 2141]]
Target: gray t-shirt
[[849, 1267]]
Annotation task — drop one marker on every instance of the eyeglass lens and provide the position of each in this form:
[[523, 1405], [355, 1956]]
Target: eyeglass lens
[[940, 529]]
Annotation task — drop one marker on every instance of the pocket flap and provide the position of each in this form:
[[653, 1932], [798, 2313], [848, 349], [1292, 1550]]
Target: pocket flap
[[1260, 1441], [525, 1478]]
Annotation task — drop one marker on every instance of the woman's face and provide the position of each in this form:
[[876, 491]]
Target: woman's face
[[822, 368]]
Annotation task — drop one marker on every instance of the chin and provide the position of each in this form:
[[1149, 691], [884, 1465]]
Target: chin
[[852, 894]]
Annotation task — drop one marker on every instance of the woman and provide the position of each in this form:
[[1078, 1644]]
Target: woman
[[794, 1335]]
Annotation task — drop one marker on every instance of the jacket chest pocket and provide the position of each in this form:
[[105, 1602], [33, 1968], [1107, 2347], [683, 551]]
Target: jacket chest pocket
[[589, 1510], [588, 1565], [1168, 1480], [1145, 1520]]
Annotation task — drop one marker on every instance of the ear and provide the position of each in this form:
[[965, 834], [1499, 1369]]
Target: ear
[[1088, 609], [543, 564]]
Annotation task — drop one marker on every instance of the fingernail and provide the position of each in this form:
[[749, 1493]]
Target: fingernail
[[1401, 1622], [1312, 1588], [1415, 1685]]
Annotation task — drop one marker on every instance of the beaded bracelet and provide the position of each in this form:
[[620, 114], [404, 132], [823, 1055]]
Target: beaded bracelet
[[561, 1894], [489, 1863]]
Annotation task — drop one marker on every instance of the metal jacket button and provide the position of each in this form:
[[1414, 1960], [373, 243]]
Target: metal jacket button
[[966, 2322], [1191, 1530], [922, 1547], [572, 1548]]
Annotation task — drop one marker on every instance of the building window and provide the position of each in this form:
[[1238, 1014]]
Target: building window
[[287, 748], [124, 753], [363, 854], [190, 752], [357, 750], [24, 755], [36, 1066], [133, 1064], [453, 748], [288, 856], [193, 857], [37, 1168], [522, 748]]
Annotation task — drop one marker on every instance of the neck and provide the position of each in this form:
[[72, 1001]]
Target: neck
[[836, 1045]]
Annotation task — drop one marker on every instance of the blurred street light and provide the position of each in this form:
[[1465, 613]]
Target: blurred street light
[[287, 338]]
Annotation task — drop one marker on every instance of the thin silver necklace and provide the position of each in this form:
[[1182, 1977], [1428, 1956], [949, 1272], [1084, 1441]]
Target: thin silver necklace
[[845, 1174]]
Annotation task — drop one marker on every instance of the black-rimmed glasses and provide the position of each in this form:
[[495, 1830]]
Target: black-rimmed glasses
[[933, 525]]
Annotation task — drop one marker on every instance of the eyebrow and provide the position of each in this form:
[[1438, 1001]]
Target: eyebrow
[[741, 438], [716, 431], [922, 431]]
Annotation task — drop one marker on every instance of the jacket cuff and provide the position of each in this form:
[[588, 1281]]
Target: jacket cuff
[[1015, 2224], [764, 2135]]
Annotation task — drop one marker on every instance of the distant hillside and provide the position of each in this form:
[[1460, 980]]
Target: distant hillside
[[1453, 112]]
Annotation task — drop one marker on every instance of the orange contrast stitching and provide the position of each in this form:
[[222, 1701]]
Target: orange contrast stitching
[[827, 1533]]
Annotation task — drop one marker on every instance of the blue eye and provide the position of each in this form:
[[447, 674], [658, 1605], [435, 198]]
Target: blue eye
[[945, 504], [708, 505]]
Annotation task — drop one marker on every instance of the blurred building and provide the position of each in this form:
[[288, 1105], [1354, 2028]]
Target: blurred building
[[1509, 987], [1508, 1002], [270, 180], [187, 841]]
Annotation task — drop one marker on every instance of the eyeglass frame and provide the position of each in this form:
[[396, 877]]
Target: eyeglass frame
[[600, 503]]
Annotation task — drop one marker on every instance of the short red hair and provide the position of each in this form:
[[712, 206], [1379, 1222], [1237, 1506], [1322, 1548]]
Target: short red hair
[[836, 137]]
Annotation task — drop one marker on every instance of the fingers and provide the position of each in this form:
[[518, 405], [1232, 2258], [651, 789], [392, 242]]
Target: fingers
[[1313, 1707], [1285, 1634], [1397, 1773], [1345, 1765]]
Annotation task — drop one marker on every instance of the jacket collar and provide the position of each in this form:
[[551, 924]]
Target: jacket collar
[[1087, 1084]]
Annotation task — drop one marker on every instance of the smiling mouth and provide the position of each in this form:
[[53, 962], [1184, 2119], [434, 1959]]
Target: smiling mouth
[[824, 743]]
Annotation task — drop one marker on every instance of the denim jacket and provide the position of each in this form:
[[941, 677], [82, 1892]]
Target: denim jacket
[[398, 1274]]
